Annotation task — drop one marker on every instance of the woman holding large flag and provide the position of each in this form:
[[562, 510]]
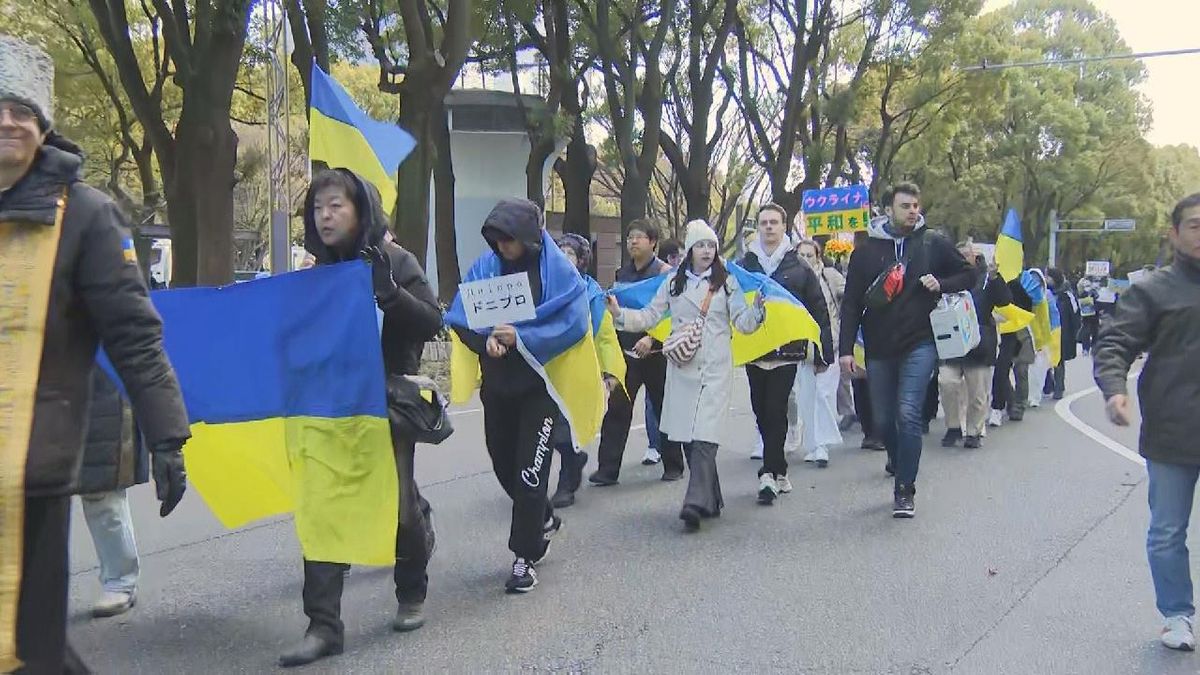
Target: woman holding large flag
[[536, 374], [702, 292]]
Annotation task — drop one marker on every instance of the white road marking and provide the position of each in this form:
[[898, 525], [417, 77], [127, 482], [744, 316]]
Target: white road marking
[[1063, 408]]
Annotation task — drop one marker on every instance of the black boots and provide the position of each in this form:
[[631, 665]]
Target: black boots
[[310, 649], [570, 476]]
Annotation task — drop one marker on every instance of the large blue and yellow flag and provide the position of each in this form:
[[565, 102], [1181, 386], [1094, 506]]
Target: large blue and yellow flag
[[283, 381], [1010, 248], [787, 319], [343, 136], [557, 343], [1042, 324]]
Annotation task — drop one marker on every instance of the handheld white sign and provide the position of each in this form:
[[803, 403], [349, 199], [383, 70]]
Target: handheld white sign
[[499, 300]]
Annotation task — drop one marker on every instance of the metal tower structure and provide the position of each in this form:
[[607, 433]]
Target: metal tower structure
[[279, 154]]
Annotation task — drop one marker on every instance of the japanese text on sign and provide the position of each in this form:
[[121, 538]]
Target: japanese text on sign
[[1097, 268], [499, 300], [826, 200], [840, 221]]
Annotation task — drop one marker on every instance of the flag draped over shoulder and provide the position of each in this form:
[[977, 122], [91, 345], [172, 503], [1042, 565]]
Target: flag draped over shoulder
[[604, 333], [343, 136], [557, 343], [283, 381], [1042, 324], [1010, 248], [787, 318]]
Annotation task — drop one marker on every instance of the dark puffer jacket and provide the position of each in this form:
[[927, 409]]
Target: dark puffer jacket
[[97, 296], [1159, 315], [113, 456], [411, 315]]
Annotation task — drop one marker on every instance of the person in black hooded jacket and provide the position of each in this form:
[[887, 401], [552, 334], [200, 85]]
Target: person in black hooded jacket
[[519, 415], [343, 221], [893, 282], [772, 376]]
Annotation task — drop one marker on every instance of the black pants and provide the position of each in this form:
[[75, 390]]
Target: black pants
[[931, 400], [1088, 331], [1004, 395], [519, 431], [862, 406], [769, 391], [323, 581], [704, 485], [614, 432], [1056, 380], [42, 608]]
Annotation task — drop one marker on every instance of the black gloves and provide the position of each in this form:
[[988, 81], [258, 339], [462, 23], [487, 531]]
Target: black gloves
[[381, 272], [170, 478]]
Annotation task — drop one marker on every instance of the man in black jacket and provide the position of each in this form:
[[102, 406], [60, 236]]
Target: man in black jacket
[[966, 383], [772, 376], [1161, 315], [644, 365], [344, 220], [892, 284], [69, 283]]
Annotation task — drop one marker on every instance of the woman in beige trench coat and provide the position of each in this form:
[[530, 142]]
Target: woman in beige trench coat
[[697, 392]]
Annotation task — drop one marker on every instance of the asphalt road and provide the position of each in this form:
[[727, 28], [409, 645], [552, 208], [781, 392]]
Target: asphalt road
[[1025, 557]]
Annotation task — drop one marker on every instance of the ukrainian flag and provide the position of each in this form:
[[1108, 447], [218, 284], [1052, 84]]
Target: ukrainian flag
[[1010, 249], [604, 333], [557, 343], [1055, 346], [787, 319], [283, 381], [343, 136], [1042, 325], [1012, 319]]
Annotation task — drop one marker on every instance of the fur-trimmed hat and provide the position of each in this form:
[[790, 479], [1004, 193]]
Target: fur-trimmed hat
[[27, 76]]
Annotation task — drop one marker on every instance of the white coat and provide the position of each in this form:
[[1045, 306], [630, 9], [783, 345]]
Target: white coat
[[696, 399]]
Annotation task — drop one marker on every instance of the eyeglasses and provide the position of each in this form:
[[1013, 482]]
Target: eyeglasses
[[18, 112], [636, 237]]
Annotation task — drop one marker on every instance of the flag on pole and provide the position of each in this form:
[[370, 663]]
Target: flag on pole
[[343, 136], [1010, 248]]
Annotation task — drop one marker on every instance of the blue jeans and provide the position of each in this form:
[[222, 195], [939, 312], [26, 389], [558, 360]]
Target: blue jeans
[[108, 519], [651, 425], [898, 387], [1172, 487]]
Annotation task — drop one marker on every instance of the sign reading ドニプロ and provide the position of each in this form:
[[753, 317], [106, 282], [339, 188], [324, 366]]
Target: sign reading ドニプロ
[[499, 300], [834, 210]]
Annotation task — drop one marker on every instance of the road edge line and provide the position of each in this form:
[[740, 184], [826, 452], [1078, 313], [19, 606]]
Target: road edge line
[[1063, 410]]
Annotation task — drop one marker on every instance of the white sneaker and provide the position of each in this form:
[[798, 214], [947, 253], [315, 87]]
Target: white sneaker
[[821, 456], [768, 489], [784, 484], [651, 457], [996, 418], [113, 603], [1177, 634], [811, 456], [757, 453], [1035, 402]]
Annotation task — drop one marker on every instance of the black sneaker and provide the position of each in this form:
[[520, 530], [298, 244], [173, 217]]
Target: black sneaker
[[563, 497], [952, 437], [972, 442], [873, 444], [903, 505], [1016, 415], [523, 578], [551, 528]]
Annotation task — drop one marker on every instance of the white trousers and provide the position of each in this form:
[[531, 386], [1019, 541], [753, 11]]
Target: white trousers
[[814, 403]]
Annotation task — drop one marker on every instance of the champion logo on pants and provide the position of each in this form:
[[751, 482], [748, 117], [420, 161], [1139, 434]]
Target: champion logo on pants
[[530, 475]]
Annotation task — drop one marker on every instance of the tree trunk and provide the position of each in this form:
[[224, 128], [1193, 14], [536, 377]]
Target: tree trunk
[[446, 244], [576, 172], [206, 157], [535, 167], [411, 213]]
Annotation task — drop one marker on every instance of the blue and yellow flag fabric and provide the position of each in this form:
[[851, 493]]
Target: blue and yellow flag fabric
[[343, 136], [1055, 346], [1010, 248], [283, 381], [557, 343], [787, 318], [1041, 325], [604, 333], [1012, 318]]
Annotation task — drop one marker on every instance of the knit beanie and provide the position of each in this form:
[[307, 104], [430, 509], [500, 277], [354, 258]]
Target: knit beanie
[[27, 76]]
